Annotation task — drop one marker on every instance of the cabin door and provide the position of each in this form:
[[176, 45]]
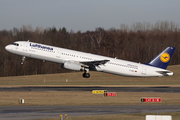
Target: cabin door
[[58, 53], [144, 70], [25, 47]]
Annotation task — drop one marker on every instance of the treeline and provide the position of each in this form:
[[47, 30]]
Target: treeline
[[139, 42]]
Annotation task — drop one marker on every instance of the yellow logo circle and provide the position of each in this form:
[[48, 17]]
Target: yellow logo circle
[[165, 57]]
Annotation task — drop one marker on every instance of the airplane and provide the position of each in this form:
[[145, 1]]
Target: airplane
[[81, 61]]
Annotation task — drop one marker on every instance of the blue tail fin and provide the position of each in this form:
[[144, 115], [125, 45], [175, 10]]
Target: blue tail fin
[[163, 59]]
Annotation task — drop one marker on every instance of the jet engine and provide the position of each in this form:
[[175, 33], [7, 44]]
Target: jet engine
[[72, 66]]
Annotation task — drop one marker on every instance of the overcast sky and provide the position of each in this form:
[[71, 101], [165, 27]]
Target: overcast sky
[[85, 15]]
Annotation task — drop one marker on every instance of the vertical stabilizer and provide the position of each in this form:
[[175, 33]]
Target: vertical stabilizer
[[163, 59]]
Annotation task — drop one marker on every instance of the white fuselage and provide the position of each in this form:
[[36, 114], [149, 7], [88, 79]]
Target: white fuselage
[[61, 55]]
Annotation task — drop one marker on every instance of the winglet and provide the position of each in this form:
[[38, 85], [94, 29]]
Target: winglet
[[163, 59]]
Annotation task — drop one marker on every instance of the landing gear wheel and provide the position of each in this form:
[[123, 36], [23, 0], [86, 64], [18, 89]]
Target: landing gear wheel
[[86, 75]]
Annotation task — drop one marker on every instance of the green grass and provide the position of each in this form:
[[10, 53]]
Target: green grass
[[97, 78]]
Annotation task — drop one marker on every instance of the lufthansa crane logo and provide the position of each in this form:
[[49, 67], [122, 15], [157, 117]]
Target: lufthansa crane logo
[[165, 57]]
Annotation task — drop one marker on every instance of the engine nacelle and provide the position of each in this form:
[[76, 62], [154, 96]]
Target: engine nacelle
[[71, 66]]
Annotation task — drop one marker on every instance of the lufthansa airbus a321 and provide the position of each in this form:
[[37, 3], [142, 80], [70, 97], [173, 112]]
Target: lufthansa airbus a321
[[81, 61]]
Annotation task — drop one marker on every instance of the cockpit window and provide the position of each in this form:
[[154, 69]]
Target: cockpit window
[[16, 44]]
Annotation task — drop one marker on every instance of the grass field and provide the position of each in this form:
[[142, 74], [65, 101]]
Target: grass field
[[84, 98], [97, 78]]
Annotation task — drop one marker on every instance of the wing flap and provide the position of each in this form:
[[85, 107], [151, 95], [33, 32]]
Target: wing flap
[[95, 63], [90, 64]]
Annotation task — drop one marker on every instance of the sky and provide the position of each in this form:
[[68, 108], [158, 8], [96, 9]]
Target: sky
[[84, 15]]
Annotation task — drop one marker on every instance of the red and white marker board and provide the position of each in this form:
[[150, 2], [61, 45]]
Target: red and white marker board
[[110, 94], [150, 99]]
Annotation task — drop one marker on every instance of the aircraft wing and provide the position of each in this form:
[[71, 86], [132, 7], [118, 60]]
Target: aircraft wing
[[94, 63]]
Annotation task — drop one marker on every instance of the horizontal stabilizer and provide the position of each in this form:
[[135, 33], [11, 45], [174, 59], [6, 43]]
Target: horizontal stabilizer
[[165, 73]]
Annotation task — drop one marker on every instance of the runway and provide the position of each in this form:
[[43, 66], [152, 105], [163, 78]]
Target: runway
[[110, 89], [39, 112]]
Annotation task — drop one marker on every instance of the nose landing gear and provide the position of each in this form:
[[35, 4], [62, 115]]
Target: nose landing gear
[[23, 59]]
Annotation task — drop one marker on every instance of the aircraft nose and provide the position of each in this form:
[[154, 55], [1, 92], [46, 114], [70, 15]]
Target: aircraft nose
[[7, 47]]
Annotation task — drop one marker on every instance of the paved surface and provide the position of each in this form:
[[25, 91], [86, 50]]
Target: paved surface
[[114, 89], [39, 112]]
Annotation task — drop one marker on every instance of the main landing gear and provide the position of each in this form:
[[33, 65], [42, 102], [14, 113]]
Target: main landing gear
[[86, 74]]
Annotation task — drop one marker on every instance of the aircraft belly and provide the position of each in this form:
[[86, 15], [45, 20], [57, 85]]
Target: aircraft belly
[[43, 56], [121, 71], [46, 58], [141, 72], [19, 53]]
